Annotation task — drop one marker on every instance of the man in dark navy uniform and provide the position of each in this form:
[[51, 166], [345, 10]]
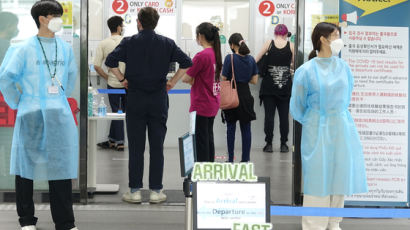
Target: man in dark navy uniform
[[147, 56]]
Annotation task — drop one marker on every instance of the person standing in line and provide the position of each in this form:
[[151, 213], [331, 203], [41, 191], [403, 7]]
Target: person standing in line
[[276, 85], [204, 76], [8, 31], [332, 156], [246, 71], [117, 101], [147, 56], [45, 139]]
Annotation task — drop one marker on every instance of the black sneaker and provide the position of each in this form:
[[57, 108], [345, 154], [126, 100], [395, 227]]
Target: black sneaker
[[106, 145], [284, 148], [268, 148]]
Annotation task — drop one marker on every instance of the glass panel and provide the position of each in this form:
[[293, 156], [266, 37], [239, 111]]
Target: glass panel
[[318, 11], [229, 16], [16, 25]]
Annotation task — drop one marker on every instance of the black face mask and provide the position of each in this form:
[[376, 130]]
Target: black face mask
[[233, 51]]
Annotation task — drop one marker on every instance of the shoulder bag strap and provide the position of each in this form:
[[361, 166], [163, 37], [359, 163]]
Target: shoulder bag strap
[[270, 47], [233, 82]]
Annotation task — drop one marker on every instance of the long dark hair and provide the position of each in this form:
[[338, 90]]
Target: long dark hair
[[322, 29], [211, 34], [237, 39]]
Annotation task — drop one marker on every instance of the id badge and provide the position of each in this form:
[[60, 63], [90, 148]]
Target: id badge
[[53, 89]]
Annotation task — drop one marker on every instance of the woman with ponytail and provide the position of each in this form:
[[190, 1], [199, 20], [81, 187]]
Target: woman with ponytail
[[332, 155], [204, 77], [245, 71]]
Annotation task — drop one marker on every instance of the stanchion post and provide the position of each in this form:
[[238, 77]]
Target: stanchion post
[[187, 187]]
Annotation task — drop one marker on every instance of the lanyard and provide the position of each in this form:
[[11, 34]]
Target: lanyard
[[53, 75]]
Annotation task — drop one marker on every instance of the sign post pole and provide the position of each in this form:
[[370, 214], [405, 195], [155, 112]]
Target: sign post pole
[[187, 185]]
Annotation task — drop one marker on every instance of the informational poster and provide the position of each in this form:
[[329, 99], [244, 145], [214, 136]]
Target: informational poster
[[378, 60], [219, 205], [376, 36], [285, 8], [130, 8], [316, 18], [278, 8], [67, 32], [266, 8]]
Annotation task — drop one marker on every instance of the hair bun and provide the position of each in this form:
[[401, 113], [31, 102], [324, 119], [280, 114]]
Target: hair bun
[[289, 34], [215, 29]]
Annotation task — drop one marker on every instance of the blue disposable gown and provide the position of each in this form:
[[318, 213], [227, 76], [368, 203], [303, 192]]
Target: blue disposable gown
[[45, 139], [332, 155]]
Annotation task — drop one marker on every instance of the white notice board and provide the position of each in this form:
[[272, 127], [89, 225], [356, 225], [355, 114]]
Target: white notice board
[[217, 205], [378, 57]]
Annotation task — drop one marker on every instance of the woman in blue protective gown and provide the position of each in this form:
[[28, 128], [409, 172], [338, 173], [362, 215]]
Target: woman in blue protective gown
[[36, 77], [332, 157]]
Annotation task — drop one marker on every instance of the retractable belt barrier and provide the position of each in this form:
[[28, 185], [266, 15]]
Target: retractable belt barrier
[[122, 91], [340, 212]]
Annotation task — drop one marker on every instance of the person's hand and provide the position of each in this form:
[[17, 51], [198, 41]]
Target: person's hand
[[125, 83], [188, 80], [170, 85]]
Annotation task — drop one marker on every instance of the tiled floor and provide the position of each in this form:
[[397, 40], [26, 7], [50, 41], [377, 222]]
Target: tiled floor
[[108, 212], [113, 168]]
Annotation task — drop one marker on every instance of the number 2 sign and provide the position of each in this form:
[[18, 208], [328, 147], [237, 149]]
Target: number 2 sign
[[120, 6], [266, 8]]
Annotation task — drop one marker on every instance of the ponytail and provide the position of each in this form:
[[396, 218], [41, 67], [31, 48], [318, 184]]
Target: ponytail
[[217, 50], [243, 49], [237, 39], [312, 54]]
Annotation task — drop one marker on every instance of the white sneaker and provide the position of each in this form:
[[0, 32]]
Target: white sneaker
[[334, 226], [30, 227], [157, 197], [74, 228], [132, 197]]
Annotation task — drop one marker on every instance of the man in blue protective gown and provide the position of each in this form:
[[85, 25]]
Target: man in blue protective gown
[[147, 56], [45, 139]]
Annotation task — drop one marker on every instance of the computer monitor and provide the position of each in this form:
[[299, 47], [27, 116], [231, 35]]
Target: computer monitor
[[218, 205], [187, 153]]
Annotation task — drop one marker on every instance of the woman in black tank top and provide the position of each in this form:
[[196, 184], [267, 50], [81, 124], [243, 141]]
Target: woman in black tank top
[[276, 85]]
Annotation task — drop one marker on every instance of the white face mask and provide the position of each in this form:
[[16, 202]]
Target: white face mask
[[336, 46], [55, 25], [123, 31]]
